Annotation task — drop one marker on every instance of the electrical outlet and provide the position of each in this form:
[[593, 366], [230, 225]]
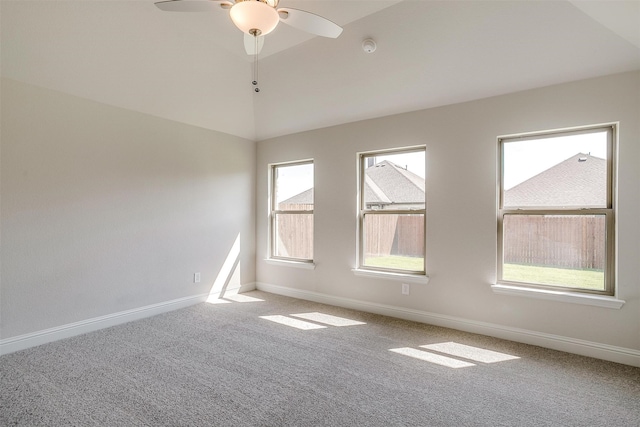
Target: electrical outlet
[[196, 277], [405, 289]]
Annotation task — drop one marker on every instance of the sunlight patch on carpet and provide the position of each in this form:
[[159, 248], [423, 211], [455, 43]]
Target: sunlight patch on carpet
[[216, 300], [294, 323], [432, 358], [328, 319], [242, 298], [470, 352]]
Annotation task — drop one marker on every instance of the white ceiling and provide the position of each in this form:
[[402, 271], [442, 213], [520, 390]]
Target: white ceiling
[[191, 67]]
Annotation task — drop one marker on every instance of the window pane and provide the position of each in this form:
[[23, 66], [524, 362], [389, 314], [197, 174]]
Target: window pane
[[394, 181], [560, 171], [394, 241], [563, 250], [294, 236], [294, 187]]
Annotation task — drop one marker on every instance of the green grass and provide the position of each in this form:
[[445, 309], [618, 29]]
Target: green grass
[[584, 279], [396, 262], [572, 278]]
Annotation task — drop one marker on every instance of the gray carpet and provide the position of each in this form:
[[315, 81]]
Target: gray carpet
[[224, 365]]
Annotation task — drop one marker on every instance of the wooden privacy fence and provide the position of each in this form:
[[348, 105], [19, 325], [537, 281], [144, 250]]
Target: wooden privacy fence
[[390, 234], [295, 233], [555, 241], [385, 235]]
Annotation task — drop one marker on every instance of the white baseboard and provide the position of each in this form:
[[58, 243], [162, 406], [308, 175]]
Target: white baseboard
[[611, 353], [22, 342]]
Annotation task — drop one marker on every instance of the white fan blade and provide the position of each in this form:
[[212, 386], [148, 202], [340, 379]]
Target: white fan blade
[[191, 5], [309, 22], [250, 43]]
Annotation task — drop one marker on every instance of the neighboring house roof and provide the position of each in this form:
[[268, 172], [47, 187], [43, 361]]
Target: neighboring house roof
[[304, 198], [581, 180], [385, 183], [373, 193]]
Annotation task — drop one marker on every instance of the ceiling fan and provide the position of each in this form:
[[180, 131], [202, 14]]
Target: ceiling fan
[[257, 18]]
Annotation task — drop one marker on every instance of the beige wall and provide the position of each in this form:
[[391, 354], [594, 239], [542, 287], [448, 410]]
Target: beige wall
[[461, 152], [106, 210]]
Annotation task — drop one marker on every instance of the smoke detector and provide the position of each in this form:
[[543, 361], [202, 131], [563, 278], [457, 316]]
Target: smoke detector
[[369, 46]]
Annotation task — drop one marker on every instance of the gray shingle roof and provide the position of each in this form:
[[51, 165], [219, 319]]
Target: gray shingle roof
[[373, 193], [304, 198], [579, 181], [392, 184]]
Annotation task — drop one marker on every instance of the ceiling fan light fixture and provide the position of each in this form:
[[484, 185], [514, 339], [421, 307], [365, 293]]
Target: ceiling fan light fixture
[[369, 45], [253, 15]]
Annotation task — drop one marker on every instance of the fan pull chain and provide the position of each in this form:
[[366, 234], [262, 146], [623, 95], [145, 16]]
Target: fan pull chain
[[255, 64]]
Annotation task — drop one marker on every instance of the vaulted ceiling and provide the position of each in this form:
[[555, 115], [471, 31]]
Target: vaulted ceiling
[[192, 67]]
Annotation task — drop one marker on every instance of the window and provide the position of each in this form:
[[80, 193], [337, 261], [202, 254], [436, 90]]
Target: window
[[392, 211], [292, 211], [556, 214]]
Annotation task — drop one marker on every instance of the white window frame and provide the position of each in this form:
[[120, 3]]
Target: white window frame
[[609, 212], [274, 212], [415, 276]]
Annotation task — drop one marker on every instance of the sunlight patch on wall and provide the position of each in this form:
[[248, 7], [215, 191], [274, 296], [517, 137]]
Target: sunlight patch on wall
[[228, 278], [328, 319], [431, 357], [294, 323], [470, 352]]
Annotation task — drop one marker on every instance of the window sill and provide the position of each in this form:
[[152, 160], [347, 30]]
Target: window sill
[[295, 264], [561, 296], [407, 278]]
